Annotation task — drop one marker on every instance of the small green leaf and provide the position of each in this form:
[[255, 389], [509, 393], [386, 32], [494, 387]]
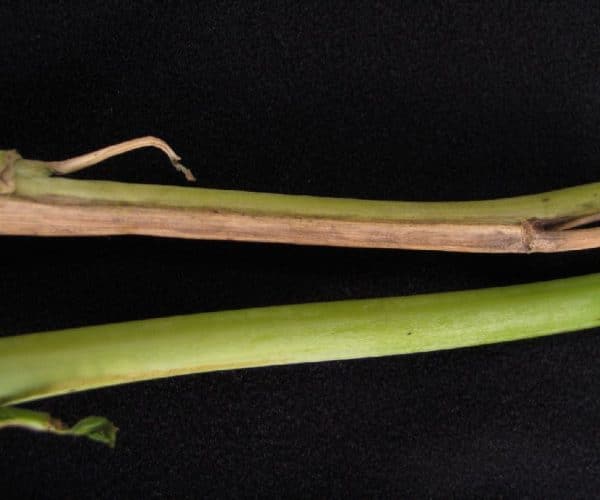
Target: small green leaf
[[95, 428]]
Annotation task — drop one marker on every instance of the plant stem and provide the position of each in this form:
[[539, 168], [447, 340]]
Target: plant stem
[[40, 365], [36, 202]]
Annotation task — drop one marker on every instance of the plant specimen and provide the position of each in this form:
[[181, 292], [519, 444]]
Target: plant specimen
[[39, 365], [35, 199]]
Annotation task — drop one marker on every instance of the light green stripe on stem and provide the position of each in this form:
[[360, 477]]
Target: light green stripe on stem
[[33, 181], [39, 365]]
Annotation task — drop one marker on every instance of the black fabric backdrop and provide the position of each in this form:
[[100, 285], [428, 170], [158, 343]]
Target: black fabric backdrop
[[387, 100]]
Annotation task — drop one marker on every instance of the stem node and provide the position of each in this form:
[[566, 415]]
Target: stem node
[[7, 171]]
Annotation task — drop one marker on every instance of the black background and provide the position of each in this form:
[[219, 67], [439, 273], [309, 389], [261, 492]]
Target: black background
[[386, 100]]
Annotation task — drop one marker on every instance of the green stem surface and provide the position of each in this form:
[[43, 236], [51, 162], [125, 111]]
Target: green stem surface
[[33, 180], [39, 365]]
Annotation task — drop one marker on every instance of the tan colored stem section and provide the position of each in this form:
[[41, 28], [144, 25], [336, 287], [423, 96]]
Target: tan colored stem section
[[87, 160], [55, 218], [7, 171]]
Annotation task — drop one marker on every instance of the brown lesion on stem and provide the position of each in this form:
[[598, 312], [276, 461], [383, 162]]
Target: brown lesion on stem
[[577, 222], [55, 217], [70, 216], [561, 234]]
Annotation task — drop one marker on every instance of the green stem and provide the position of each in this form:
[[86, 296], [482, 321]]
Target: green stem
[[40, 365], [33, 181]]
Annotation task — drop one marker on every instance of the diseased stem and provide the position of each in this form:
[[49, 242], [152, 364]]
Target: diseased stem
[[36, 202]]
